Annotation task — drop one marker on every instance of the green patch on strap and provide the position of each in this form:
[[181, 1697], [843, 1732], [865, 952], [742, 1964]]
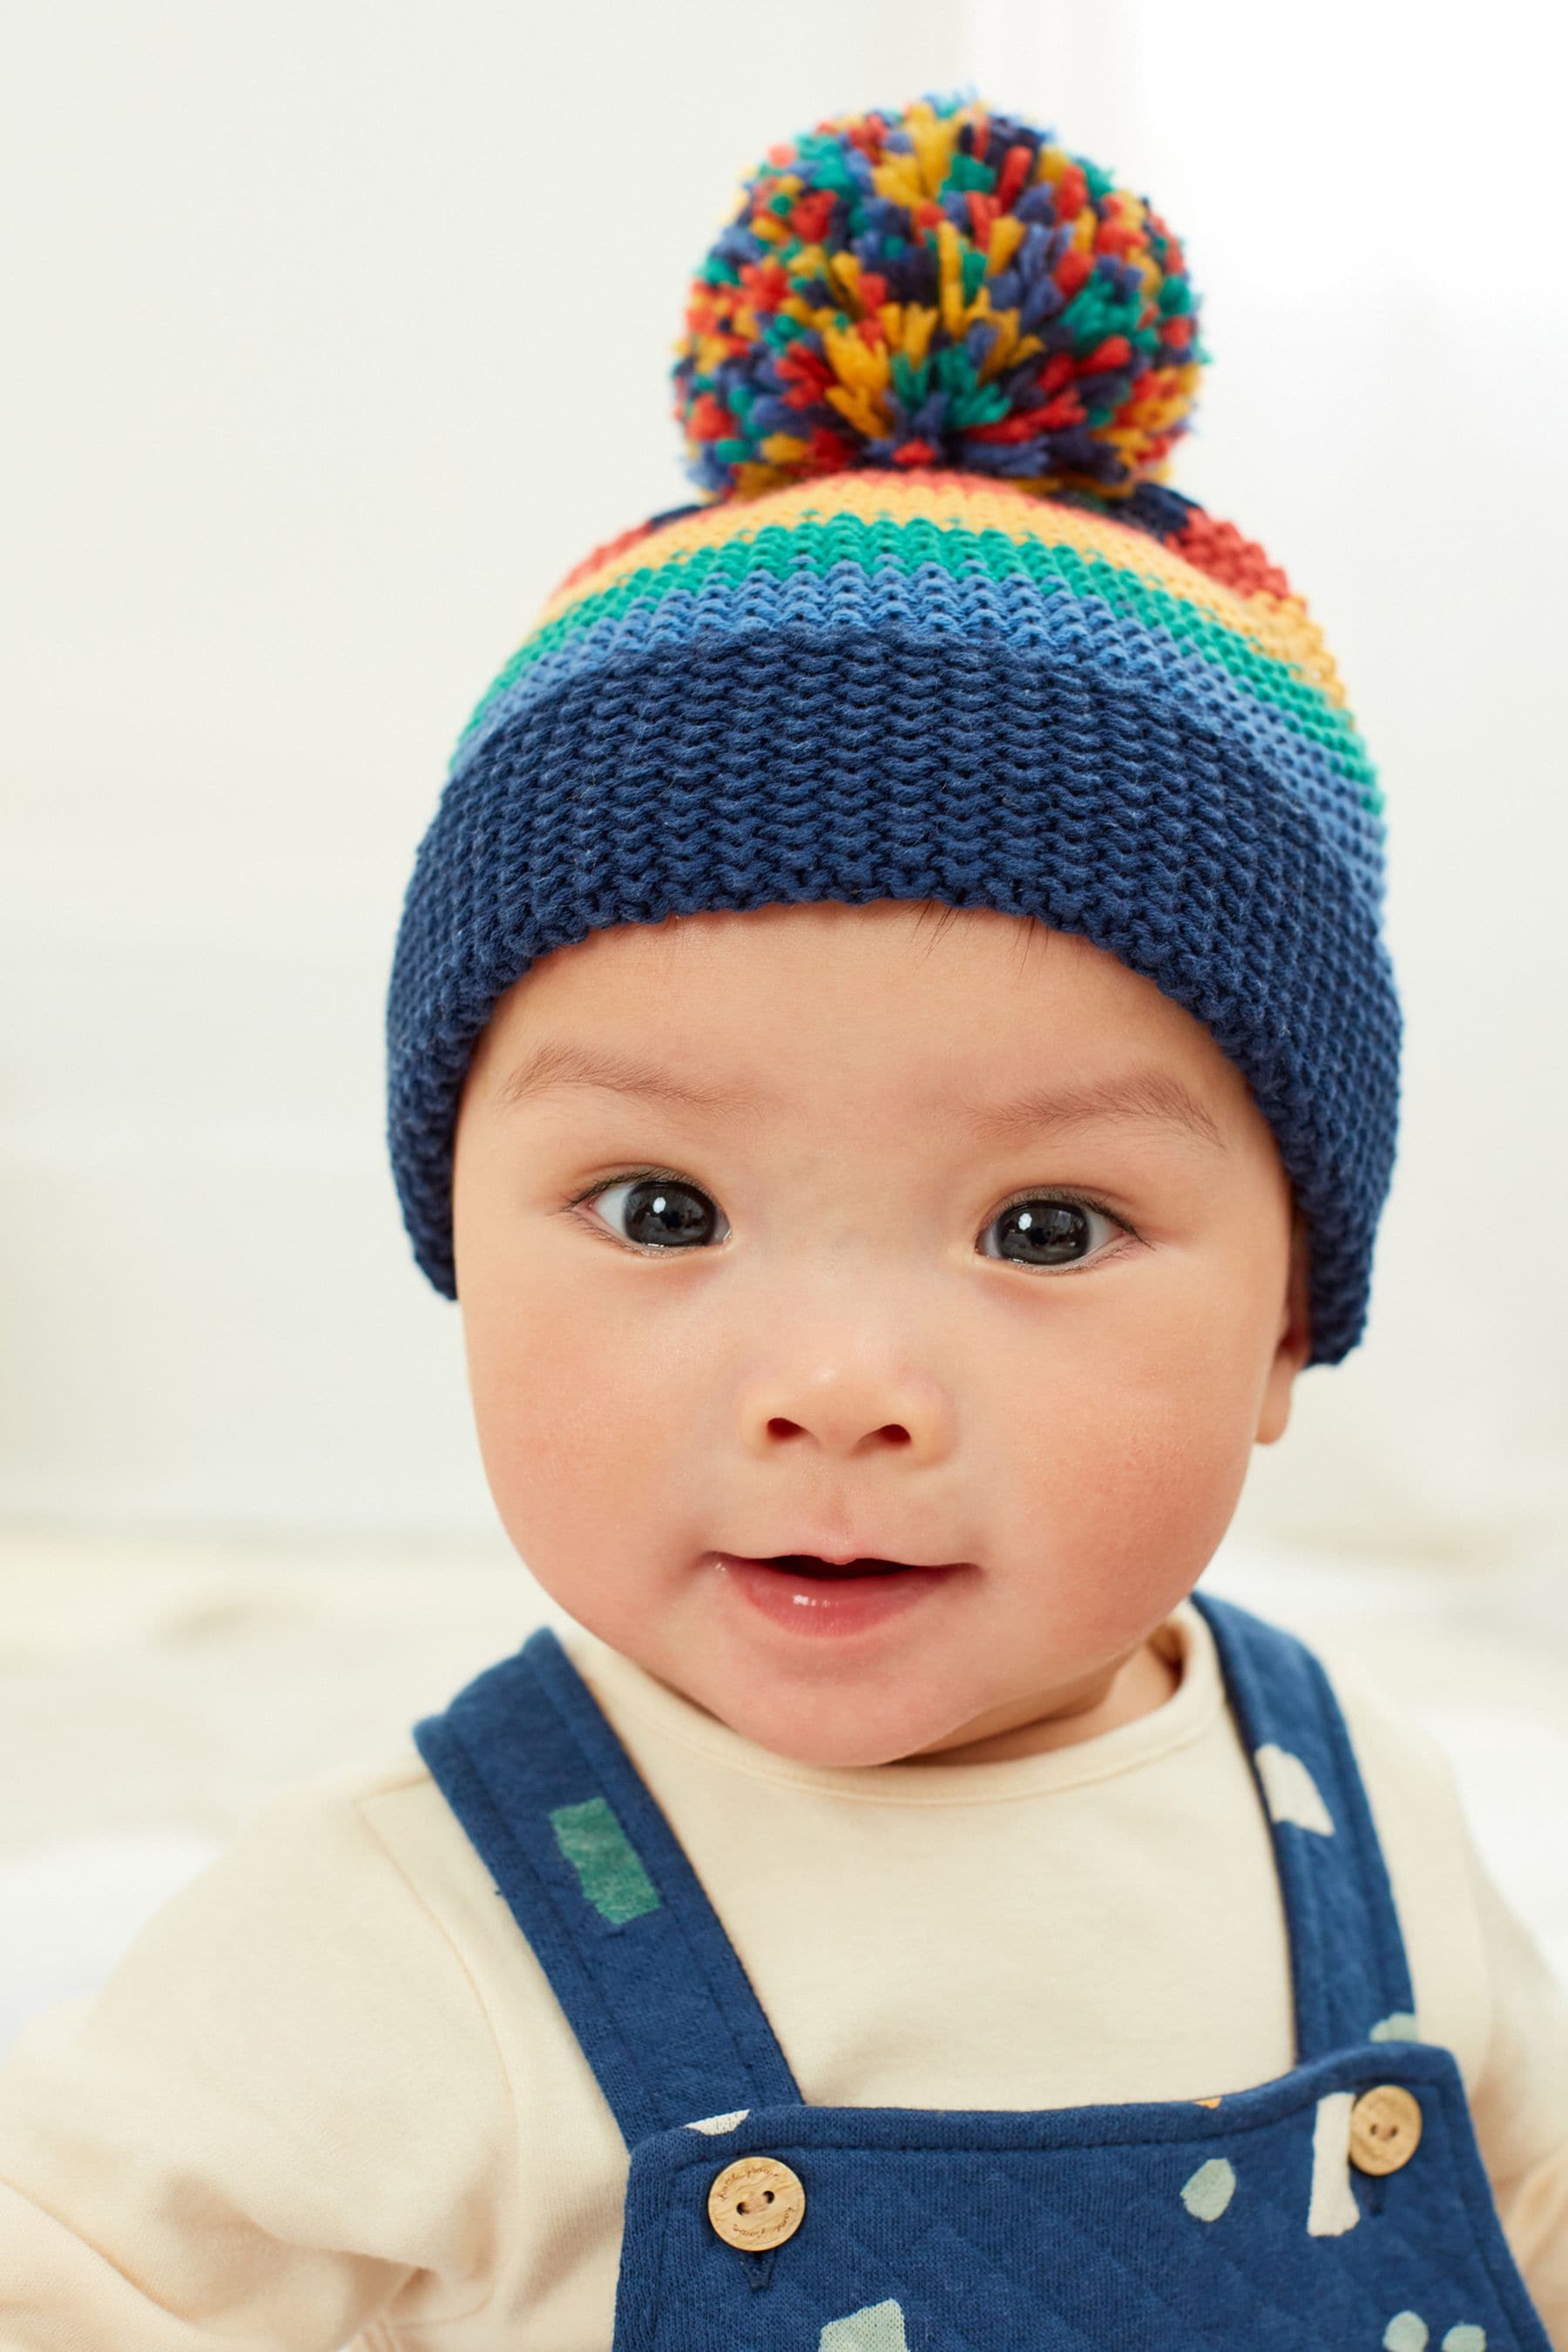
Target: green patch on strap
[[608, 1866]]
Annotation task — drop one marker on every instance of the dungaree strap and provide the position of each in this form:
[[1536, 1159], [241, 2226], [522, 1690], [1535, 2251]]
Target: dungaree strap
[[1350, 1976], [615, 1913]]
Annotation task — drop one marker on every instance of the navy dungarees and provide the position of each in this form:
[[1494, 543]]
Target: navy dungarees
[[1342, 2207]]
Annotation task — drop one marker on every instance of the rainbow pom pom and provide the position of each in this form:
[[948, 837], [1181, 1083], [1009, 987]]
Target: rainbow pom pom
[[944, 286]]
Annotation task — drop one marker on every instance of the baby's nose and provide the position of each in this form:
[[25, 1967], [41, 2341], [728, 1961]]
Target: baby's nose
[[849, 1410]]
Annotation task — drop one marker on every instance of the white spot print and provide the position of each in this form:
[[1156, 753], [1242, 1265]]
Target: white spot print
[[1210, 2190], [1400, 2027], [1465, 2338], [879, 2328], [1406, 2332], [1290, 1790], [720, 2123], [1333, 2208]]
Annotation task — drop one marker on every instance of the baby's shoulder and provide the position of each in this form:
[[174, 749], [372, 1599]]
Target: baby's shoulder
[[381, 1817], [337, 1922], [320, 1872]]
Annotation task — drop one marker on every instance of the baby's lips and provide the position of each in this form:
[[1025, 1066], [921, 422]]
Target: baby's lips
[[864, 1556]]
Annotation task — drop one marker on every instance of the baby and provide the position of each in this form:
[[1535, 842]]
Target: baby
[[892, 1050]]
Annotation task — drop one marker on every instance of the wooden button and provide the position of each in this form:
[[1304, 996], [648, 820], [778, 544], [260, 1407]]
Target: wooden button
[[755, 2203], [1386, 2128]]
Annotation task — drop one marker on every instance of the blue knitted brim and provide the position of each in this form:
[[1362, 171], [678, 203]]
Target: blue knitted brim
[[742, 768]]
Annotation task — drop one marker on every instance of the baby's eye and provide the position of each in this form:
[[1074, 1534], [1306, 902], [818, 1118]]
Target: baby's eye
[[1047, 1229], [659, 1211]]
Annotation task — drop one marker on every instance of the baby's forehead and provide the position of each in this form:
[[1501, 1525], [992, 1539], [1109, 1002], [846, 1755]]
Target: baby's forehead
[[884, 947], [947, 1012]]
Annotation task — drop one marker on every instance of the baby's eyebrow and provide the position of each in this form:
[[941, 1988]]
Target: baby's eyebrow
[[557, 1061], [1145, 1095]]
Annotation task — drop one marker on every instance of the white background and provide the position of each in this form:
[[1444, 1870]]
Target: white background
[[337, 332]]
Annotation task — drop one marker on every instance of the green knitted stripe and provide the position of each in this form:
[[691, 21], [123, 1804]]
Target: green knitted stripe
[[841, 539]]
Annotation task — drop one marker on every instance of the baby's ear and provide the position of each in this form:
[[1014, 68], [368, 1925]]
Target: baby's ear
[[1295, 1338]]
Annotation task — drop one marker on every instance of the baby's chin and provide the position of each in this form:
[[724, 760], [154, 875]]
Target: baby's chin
[[842, 1731], [942, 1717], [855, 1714], [815, 1710], [913, 1675]]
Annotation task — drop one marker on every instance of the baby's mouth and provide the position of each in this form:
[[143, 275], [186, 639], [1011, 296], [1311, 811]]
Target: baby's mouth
[[806, 1594]]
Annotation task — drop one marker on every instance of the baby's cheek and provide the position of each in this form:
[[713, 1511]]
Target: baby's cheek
[[1115, 1509], [584, 1431]]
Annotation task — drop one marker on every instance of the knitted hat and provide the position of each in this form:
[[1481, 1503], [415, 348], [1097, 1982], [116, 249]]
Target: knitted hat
[[936, 630]]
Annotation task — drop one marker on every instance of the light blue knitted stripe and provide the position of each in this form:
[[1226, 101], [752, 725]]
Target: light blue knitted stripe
[[915, 575]]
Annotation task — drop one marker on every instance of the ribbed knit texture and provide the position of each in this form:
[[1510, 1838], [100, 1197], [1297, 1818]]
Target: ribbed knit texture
[[930, 685]]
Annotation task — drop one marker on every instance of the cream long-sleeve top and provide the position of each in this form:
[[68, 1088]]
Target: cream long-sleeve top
[[328, 2095]]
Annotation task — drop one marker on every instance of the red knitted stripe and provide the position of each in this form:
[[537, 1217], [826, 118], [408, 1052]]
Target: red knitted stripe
[[1219, 549]]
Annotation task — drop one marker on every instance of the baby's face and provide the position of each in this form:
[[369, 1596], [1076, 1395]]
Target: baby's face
[[796, 1237]]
